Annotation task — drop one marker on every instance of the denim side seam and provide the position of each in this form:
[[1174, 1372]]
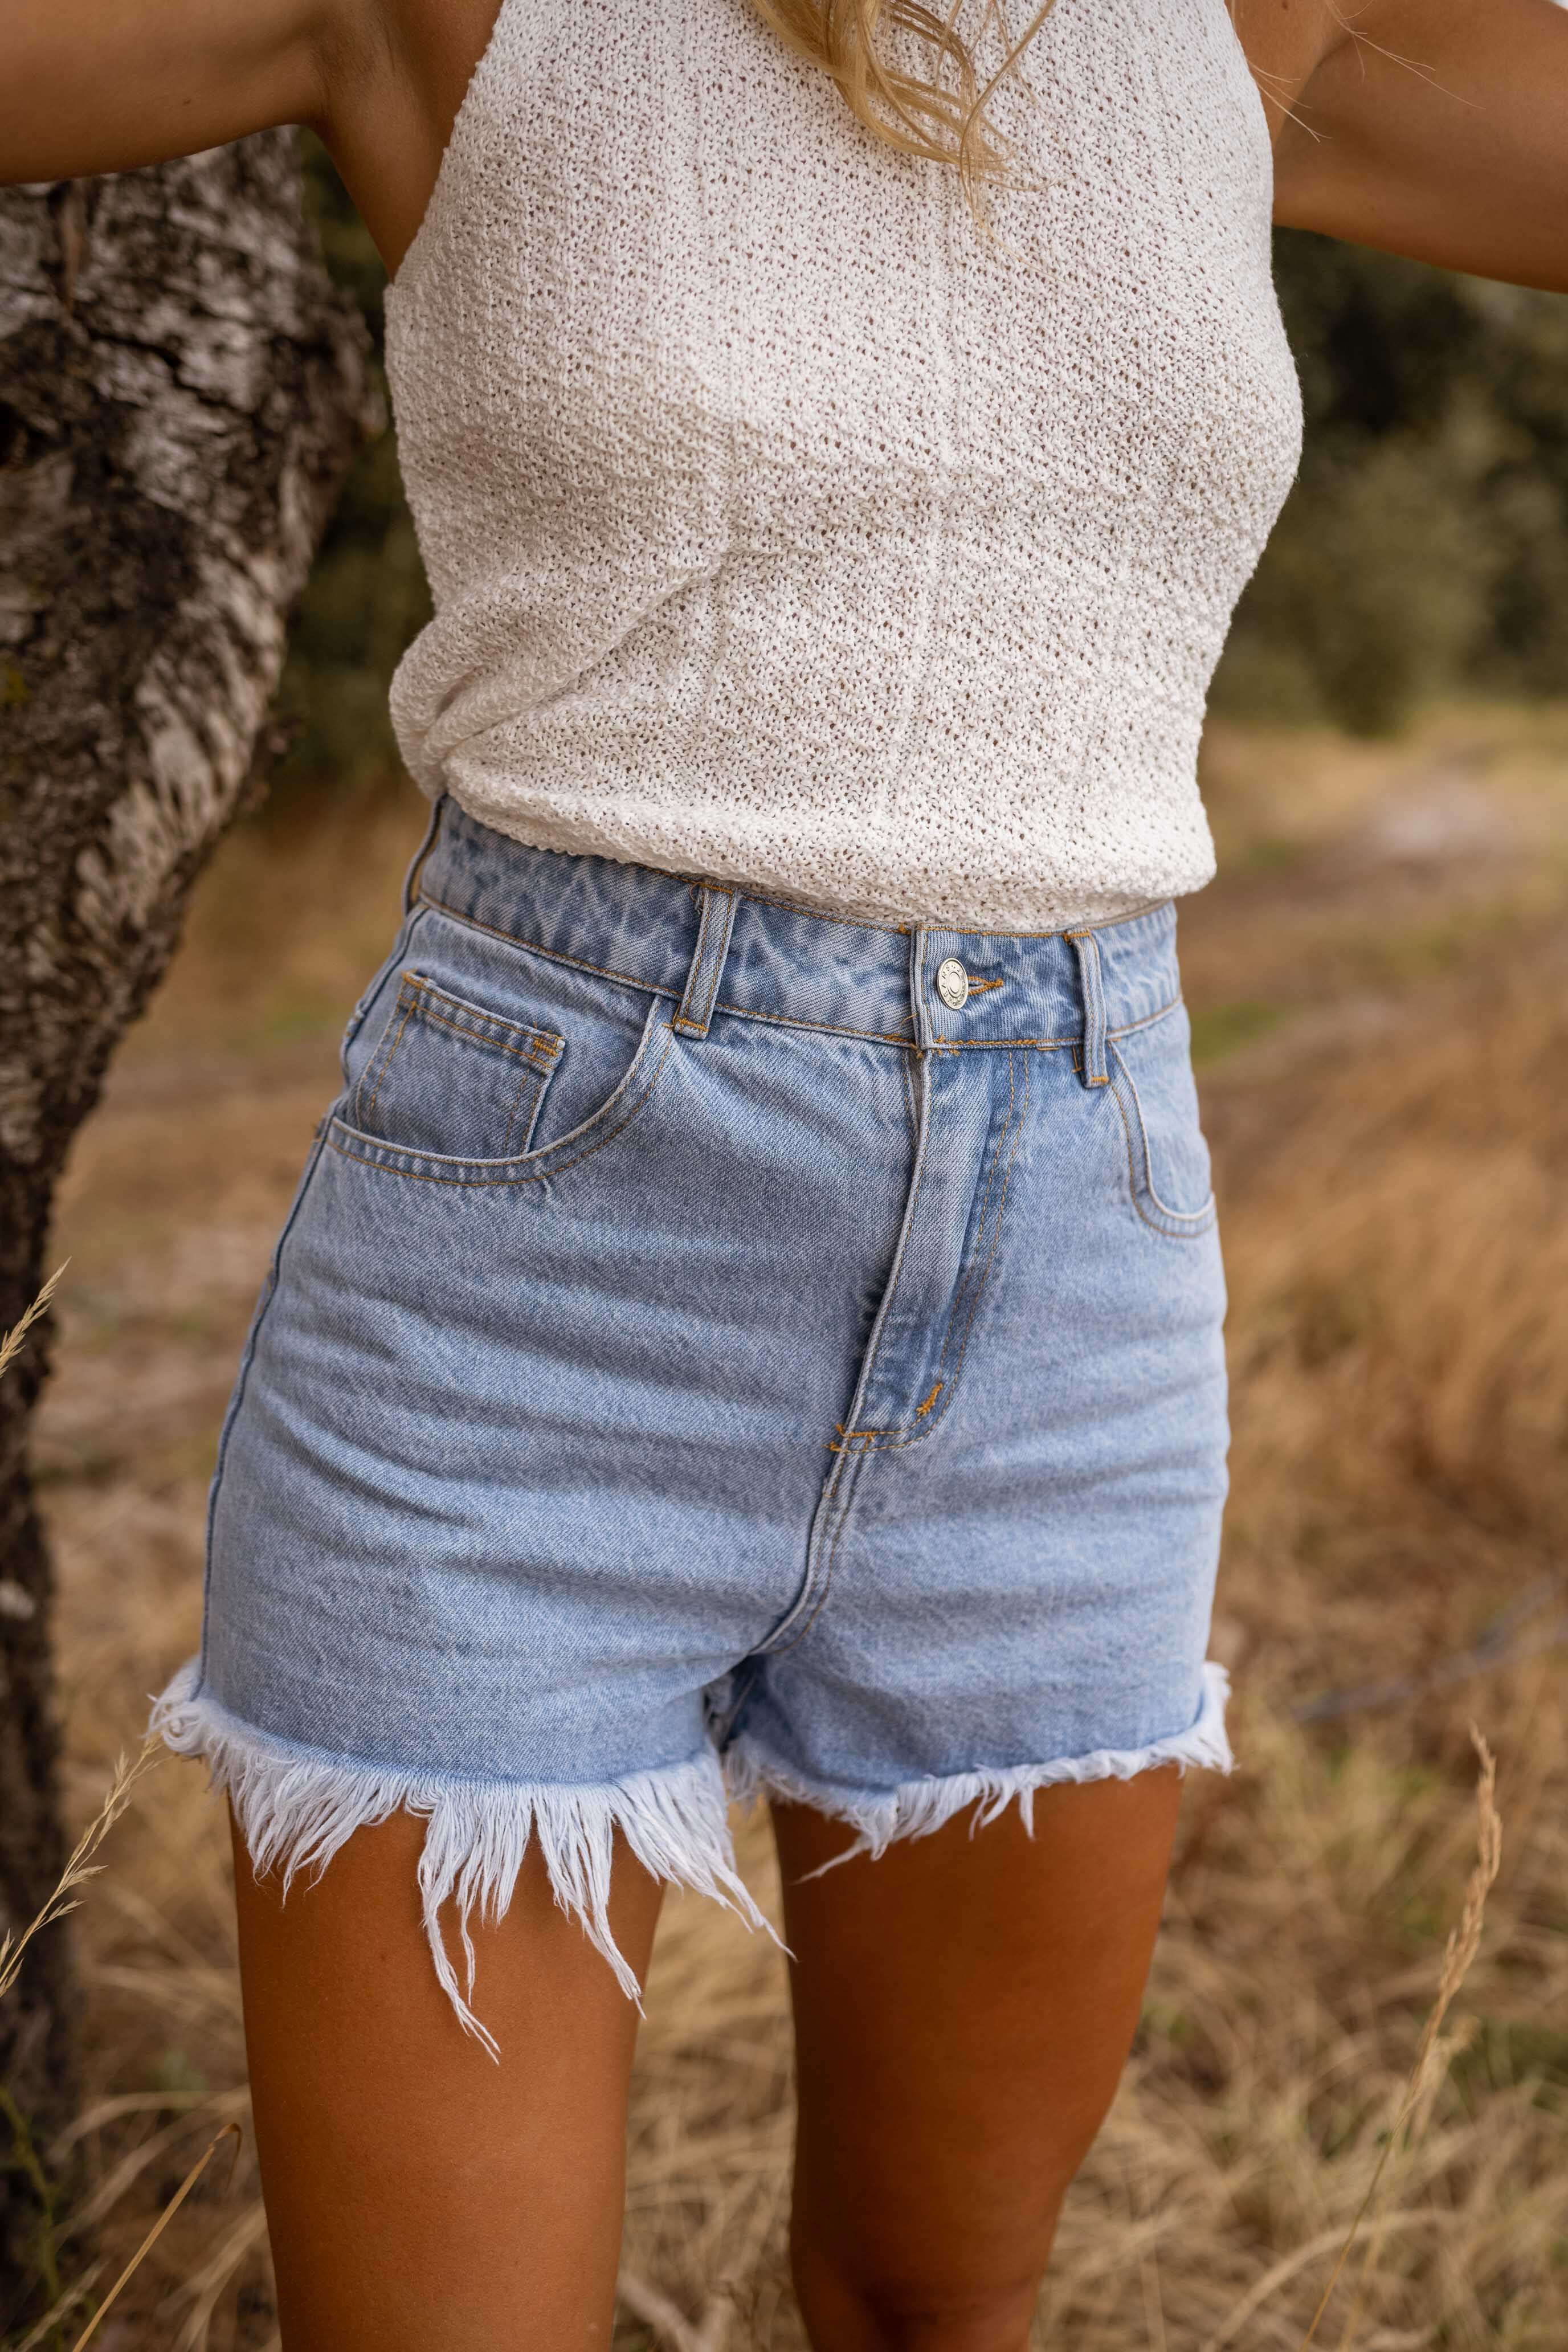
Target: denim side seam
[[268, 1292]]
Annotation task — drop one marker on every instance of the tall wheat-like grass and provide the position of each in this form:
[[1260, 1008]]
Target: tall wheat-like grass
[[81, 1866], [65, 1898], [1415, 2105], [11, 1345]]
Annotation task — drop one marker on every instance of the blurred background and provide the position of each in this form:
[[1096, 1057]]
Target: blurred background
[[1378, 986]]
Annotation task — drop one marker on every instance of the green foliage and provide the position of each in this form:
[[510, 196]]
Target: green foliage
[[1425, 546], [1219, 1029]]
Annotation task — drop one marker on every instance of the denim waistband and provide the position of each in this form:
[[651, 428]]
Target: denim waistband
[[717, 948]]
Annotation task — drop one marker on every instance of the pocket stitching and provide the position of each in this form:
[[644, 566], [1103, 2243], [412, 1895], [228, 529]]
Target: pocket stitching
[[390, 1156], [423, 990], [1186, 1224], [385, 1059], [531, 1089], [364, 1004], [418, 996]]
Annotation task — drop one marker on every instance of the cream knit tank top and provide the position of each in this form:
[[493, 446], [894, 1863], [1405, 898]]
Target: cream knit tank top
[[782, 532]]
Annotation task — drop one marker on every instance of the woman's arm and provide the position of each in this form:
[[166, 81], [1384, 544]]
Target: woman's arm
[[1437, 129], [104, 85]]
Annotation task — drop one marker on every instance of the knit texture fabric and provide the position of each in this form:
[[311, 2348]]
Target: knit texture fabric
[[783, 531]]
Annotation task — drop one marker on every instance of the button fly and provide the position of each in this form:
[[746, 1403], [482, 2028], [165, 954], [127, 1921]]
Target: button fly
[[952, 983]]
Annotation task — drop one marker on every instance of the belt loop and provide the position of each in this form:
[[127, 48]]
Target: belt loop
[[1092, 989], [920, 1003], [714, 926], [410, 880]]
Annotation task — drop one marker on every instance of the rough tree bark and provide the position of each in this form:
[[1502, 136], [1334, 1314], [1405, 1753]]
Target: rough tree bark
[[181, 391]]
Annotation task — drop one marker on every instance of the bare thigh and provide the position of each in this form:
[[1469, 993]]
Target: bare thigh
[[421, 2196], [963, 2008]]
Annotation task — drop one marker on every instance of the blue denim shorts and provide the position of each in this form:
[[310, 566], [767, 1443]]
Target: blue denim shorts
[[718, 1348]]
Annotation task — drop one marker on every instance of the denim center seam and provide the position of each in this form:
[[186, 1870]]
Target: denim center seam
[[855, 1443], [972, 1277]]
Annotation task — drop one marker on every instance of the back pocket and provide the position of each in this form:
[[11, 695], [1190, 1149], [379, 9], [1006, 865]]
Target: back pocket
[[446, 1076]]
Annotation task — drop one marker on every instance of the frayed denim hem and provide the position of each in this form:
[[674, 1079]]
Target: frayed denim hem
[[919, 1807], [297, 1806]]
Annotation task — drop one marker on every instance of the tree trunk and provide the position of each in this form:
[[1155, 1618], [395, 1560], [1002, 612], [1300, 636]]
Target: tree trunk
[[181, 392]]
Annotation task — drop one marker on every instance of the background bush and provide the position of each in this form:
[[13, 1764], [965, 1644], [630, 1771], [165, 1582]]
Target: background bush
[[1425, 546]]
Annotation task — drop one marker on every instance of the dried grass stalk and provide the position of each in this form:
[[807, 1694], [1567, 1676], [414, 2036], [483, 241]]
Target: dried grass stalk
[[1464, 1942], [11, 1344], [164, 2218], [80, 1867]]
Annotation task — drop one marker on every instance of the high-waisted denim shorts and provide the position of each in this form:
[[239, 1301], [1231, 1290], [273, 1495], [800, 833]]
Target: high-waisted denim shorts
[[718, 1348]]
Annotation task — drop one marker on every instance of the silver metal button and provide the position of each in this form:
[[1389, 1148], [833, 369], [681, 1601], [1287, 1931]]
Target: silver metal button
[[952, 983]]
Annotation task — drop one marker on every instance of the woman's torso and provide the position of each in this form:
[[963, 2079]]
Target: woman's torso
[[781, 530]]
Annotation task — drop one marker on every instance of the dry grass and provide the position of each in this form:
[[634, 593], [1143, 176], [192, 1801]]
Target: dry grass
[[1380, 986]]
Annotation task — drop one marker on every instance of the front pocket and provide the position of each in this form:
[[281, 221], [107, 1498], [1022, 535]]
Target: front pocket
[[449, 1077], [1151, 1072]]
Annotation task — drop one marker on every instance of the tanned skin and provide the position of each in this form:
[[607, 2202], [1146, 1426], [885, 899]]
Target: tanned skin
[[965, 2005]]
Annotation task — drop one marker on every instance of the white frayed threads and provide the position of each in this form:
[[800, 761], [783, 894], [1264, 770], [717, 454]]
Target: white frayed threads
[[919, 1807], [297, 1810]]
